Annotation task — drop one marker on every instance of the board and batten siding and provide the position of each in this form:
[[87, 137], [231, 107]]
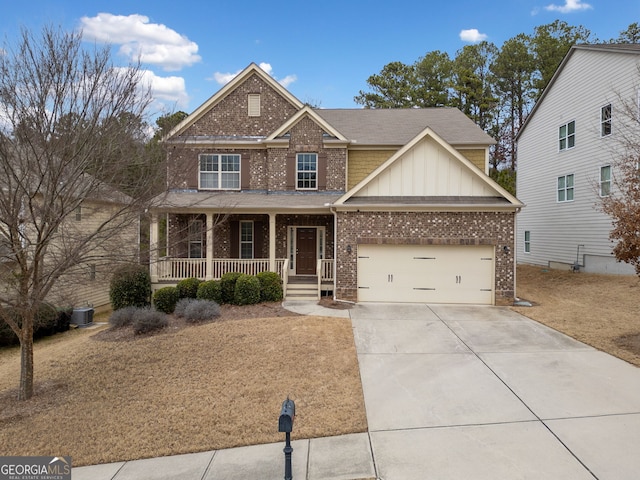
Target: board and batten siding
[[588, 81], [426, 169]]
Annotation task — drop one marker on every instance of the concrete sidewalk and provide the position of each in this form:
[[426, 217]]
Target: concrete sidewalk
[[451, 392]]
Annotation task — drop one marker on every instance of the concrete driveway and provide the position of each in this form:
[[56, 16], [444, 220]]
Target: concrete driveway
[[473, 392]]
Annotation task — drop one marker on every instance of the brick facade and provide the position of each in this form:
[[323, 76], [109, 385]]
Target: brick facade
[[424, 228]]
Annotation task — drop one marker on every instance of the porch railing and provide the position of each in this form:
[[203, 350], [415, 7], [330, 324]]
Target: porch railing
[[176, 269]]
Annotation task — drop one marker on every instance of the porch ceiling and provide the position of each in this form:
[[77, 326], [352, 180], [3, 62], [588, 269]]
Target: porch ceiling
[[243, 201]]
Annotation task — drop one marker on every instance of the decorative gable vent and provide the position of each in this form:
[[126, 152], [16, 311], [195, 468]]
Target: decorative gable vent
[[254, 104]]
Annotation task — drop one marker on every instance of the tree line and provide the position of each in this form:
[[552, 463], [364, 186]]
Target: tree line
[[495, 87]]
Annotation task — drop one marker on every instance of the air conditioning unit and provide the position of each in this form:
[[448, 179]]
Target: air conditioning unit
[[82, 316]]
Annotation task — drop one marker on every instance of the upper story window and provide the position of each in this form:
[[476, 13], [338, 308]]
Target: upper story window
[[605, 181], [565, 188], [307, 171], [605, 120], [567, 135], [219, 172], [253, 101]]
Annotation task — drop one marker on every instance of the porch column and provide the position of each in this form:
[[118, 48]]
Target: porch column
[[153, 248], [209, 227], [272, 242]]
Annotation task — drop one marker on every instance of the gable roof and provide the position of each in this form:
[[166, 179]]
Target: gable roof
[[224, 91], [306, 112], [501, 197], [623, 48], [397, 126]]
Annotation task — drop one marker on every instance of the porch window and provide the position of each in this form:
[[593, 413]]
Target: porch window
[[246, 239], [219, 172], [307, 171], [195, 238]]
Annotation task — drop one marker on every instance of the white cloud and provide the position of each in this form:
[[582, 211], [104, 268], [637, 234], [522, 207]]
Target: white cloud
[[472, 35], [224, 78], [153, 43], [569, 6], [167, 89]]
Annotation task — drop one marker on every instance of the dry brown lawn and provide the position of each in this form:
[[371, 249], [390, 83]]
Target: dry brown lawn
[[104, 396], [600, 310]]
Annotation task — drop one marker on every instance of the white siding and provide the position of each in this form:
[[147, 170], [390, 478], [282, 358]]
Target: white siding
[[588, 81], [427, 169]]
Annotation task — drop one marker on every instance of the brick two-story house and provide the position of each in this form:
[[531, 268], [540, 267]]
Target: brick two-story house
[[372, 205]]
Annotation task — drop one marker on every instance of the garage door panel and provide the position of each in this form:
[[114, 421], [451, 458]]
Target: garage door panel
[[425, 273]]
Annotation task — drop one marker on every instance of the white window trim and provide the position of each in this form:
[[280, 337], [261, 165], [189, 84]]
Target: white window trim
[[603, 122], [527, 243], [573, 188], [566, 138], [243, 242], [601, 182], [298, 187], [219, 172]]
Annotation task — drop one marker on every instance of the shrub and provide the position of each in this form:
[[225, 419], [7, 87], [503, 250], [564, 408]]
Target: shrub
[[122, 317], [210, 290], [247, 290], [147, 320], [188, 288], [182, 305], [201, 311], [48, 321], [130, 286], [270, 286], [165, 299], [228, 286]]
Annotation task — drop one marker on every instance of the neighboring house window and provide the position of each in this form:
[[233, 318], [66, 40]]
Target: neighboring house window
[[605, 120], [253, 101], [78, 213], [527, 241], [195, 238], [246, 239], [219, 172], [307, 171], [92, 271], [565, 188], [605, 181], [567, 135]]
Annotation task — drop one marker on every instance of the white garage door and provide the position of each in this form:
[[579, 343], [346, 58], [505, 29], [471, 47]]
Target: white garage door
[[426, 273]]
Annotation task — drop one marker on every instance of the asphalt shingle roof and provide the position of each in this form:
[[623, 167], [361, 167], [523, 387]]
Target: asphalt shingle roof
[[397, 126]]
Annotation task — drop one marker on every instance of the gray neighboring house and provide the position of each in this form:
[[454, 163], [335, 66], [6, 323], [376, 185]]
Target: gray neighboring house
[[567, 150], [365, 205]]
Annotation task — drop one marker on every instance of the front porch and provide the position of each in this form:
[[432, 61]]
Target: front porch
[[167, 271]]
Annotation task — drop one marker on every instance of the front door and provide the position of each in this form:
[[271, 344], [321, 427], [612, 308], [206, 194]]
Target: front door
[[306, 251]]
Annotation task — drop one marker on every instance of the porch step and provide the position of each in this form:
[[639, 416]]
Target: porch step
[[302, 291]]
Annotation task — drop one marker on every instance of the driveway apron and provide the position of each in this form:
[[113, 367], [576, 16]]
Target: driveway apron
[[480, 392]]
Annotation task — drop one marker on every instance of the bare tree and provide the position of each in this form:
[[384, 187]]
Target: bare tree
[[620, 198], [67, 117]]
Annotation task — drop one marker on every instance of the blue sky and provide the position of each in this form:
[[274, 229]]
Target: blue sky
[[323, 52]]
